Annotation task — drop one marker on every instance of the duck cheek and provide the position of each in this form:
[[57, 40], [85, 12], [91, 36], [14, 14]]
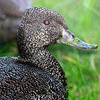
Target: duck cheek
[[44, 39]]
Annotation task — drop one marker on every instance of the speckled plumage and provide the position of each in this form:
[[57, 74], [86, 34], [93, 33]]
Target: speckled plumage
[[35, 74], [26, 82]]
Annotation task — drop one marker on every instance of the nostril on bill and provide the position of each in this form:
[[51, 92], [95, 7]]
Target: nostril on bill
[[73, 35]]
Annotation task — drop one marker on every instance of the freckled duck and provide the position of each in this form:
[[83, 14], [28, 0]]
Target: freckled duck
[[35, 74]]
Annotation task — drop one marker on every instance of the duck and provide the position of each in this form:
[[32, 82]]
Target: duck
[[11, 12], [35, 74]]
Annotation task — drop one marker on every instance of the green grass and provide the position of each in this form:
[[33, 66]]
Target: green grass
[[82, 68]]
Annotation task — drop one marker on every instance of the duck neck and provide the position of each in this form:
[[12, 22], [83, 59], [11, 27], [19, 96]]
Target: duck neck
[[42, 58]]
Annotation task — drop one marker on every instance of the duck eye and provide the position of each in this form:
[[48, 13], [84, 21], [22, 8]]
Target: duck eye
[[46, 22]]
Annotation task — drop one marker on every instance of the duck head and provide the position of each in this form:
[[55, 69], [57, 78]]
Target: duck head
[[41, 27]]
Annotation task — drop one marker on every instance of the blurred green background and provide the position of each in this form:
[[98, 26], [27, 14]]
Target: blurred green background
[[82, 68]]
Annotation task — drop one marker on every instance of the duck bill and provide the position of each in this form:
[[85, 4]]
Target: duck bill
[[69, 39]]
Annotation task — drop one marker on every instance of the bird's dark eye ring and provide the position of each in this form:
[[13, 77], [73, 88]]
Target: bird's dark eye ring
[[46, 22]]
